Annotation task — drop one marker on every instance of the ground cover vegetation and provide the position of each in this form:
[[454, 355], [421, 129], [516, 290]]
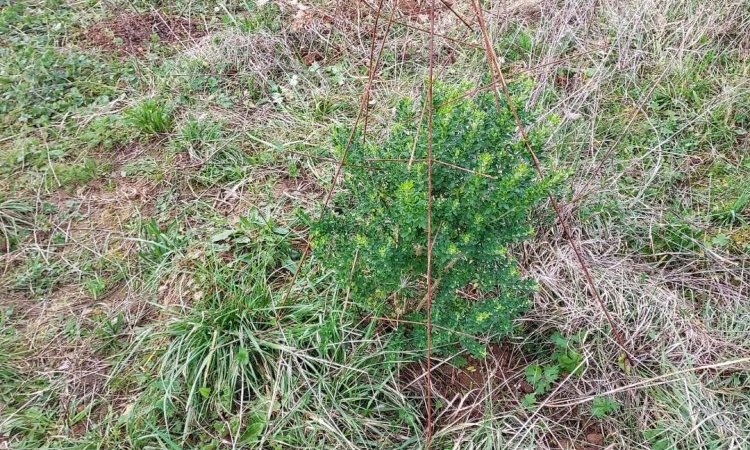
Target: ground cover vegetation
[[175, 273]]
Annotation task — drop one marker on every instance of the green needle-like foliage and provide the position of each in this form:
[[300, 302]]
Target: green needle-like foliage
[[484, 186]]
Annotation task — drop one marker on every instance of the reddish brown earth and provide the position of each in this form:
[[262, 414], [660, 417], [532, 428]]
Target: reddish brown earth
[[131, 33], [461, 392], [464, 387]]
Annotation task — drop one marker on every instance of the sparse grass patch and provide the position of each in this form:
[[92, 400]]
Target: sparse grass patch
[[227, 164], [144, 167], [41, 83], [70, 175], [160, 245], [39, 275]]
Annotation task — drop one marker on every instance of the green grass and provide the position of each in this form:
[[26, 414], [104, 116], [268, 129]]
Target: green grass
[[149, 117], [15, 221], [155, 206]]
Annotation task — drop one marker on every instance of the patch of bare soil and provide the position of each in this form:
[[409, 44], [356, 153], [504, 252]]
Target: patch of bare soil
[[462, 390], [79, 368], [413, 8], [298, 187], [131, 33], [462, 393]]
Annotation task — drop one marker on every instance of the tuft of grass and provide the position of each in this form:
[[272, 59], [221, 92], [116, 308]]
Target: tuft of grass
[[160, 246], [16, 221], [150, 117]]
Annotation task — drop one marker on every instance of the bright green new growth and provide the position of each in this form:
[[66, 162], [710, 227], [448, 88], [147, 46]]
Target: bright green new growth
[[484, 186], [150, 117]]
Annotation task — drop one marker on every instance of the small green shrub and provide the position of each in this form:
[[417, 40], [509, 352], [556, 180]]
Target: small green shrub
[[484, 186], [150, 117]]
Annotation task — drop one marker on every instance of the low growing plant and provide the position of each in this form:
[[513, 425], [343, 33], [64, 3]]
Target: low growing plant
[[565, 360], [484, 187], [150, 117], [601, 407]]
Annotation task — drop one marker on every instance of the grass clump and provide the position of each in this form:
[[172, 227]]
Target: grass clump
[[217, 353], [16, 221], [222, 358], [483, 189], [217, 356], [150, 117]]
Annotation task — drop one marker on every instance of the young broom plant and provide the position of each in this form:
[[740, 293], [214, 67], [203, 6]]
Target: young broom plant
[[484, 187]]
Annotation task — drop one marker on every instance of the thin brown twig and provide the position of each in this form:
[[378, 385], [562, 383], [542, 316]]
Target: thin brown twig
[[435, 161], [416, 135], [400, 160], [428, 374], [664, 378], [492, 60], [366, 95], [395, 320]]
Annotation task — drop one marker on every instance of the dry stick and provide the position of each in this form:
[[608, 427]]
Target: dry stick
[[416, 136], [350, 138], [435, 161], [492, 59], [397, 321], [396, 160], [428, 377]]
